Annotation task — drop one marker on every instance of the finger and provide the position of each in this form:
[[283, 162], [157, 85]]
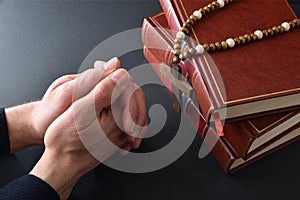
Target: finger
[[62, 80], [141, 121], [129, 118], [99, 64], [141, 105], [134, 114], [110, 88], [138, 139], [90, 78], [88, 108]]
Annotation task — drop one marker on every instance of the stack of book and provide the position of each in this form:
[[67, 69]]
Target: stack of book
[[261, 84]]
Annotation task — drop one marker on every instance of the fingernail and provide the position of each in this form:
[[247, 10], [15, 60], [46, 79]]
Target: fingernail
[[111, 64], [120, 77], [98, 64]]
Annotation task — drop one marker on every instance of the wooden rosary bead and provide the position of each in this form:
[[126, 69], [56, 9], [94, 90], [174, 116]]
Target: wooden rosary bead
[[297, 22], [275, 29], [193, 18], [181, 57], [187, 25], [292, 25], [206, 47], [212, 47], [176, 52], [177, 41], [192, 51], [202, 11], [270, 32], [191, 22], [218, 45], [266, 34], [253, 37], [247, 37], [207, 10], [237, 41], [176, 59], [224, 45], [211, 7], [186, 55], [242, 39], [216, 4], [185, 30], [280, 28], [177, 46]]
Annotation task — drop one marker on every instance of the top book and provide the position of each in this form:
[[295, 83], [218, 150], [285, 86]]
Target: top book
[[249, 80]]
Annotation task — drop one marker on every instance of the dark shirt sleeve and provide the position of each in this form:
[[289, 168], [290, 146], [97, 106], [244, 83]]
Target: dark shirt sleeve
[[4, 138], [25, 187], [28, 187]]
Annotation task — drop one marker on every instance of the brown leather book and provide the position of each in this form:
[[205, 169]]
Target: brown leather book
[[259, 78], [247, 137], [228, 150]]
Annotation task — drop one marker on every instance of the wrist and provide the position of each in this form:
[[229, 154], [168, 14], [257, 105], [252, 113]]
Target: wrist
[[36, 132], [55, 170], [20, 127]]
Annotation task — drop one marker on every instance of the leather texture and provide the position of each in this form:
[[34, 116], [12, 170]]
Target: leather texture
[[272, 72], [238, 135]]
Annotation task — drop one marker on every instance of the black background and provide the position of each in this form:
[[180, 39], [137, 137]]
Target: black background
[[42, 40]]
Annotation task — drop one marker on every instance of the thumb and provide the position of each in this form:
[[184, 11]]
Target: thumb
[[87, 108], [86, 82]]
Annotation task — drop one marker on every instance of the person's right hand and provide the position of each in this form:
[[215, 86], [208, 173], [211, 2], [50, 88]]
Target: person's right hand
[[75, 138]]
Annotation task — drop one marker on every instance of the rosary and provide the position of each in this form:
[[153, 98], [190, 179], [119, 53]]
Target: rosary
[[179, 55], [221, 45]]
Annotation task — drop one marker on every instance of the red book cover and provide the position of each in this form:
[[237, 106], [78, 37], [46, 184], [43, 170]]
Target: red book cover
[[224, 151], [245, 136], [260, 77], [227, 157]]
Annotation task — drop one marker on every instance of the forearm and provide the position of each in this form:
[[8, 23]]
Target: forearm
[[20, 127], [55, 170]]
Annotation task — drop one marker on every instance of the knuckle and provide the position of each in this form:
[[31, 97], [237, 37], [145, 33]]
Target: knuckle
[[103, 94]]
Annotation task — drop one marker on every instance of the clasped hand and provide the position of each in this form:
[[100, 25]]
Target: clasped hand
[[82, 120]]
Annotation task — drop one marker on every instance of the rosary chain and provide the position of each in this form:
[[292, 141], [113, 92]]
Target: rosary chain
[[226, 44]]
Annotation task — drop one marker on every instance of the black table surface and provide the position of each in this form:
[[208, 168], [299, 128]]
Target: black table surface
[[42, 40]]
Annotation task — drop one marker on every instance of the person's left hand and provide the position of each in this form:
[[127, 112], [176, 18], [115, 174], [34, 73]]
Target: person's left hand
[[59, 96]]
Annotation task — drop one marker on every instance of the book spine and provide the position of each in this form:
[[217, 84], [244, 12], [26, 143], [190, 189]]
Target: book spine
[[156, 40], [220, 151], [223, 155], [153, 36], [175, 18], [171, 13]]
